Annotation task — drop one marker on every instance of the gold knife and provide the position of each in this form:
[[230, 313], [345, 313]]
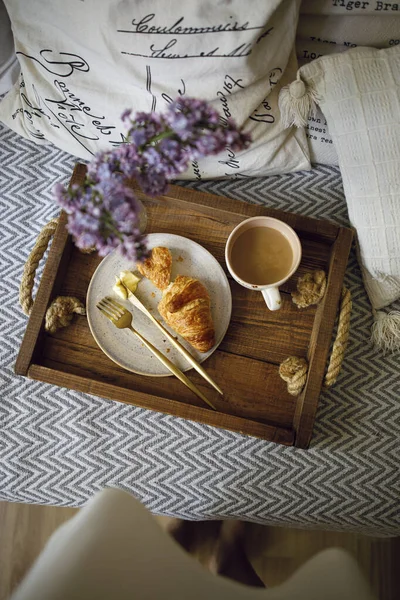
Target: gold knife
[[136, 302]]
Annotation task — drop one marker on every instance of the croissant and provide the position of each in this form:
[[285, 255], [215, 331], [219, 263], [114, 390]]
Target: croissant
[[185, 306], [157, 267]]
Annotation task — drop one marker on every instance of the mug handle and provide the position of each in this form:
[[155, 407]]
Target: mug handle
[[272, 298]]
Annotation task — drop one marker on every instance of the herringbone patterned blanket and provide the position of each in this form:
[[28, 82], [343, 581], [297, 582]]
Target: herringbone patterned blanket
[[58, 446]]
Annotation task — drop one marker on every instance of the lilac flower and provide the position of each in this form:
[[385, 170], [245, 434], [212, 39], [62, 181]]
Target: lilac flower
[[162, 147], [134, 245], [126, 115], [104, 212], [156, 185], [104, 215], [234, 138], [103, 166], [145, 128], [129, 160], [188, 116]]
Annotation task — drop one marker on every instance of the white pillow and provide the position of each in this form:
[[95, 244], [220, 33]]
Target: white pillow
[[84, 63], [9, 67], [359, 95]]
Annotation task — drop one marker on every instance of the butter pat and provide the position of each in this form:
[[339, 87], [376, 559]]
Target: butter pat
[[126, 281], [129, 280], [120, 289]]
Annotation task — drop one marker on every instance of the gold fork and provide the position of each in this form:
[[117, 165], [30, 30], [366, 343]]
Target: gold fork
[[136, 302], [122, 319]]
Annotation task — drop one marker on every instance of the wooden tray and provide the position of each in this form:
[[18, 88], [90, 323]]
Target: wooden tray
[[256, 401]]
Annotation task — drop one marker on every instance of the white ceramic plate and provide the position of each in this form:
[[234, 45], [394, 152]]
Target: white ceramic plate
[[122, 346]]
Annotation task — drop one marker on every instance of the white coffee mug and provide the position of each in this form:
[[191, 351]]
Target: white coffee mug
[[270, 291]]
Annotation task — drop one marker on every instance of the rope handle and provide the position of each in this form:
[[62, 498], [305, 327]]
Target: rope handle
[[62, 309], [310, 289], [342, 337]]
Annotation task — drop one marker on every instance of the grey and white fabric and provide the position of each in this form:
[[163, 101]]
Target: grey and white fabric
[[58, 446]]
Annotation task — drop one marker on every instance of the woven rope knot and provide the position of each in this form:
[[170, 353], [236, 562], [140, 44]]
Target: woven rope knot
[[293, 370], [310, 289], [297, 89], [61, 311]]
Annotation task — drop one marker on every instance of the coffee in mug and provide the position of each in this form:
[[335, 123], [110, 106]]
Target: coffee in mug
[[262, 253], [262, 256]]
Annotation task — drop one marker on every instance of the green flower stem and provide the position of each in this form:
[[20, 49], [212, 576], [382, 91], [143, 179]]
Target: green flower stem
[[109, 225], [161, 136]]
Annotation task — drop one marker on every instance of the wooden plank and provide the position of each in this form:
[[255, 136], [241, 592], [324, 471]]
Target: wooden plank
[[82, 266], [55, 264], [223, 208], [212, 232], [80, 271], [266, 399], [275, 553], [24, 531], [254, 331], [234, 211], [168, 406], [321, 340], [261, 334]]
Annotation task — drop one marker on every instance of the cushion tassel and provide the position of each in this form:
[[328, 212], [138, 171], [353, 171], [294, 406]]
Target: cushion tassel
[[386, 331], [296, 102]]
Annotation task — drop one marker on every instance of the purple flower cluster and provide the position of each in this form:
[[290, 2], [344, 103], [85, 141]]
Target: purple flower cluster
[[165, 145], [104, 215], [104, 212]]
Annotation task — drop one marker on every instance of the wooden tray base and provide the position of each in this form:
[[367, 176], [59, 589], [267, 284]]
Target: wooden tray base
[[255, 401]]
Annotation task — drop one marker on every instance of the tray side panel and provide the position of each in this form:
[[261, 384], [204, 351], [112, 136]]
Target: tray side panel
[[252, 389], [180, 197], [201, 415], [321, 339], [56, 265]]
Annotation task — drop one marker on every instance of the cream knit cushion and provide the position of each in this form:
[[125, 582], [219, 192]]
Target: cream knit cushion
[[327, 27], [359, 94]]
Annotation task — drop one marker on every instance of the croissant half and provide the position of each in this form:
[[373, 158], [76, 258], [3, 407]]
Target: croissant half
[[185, 306], [157, 267]]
